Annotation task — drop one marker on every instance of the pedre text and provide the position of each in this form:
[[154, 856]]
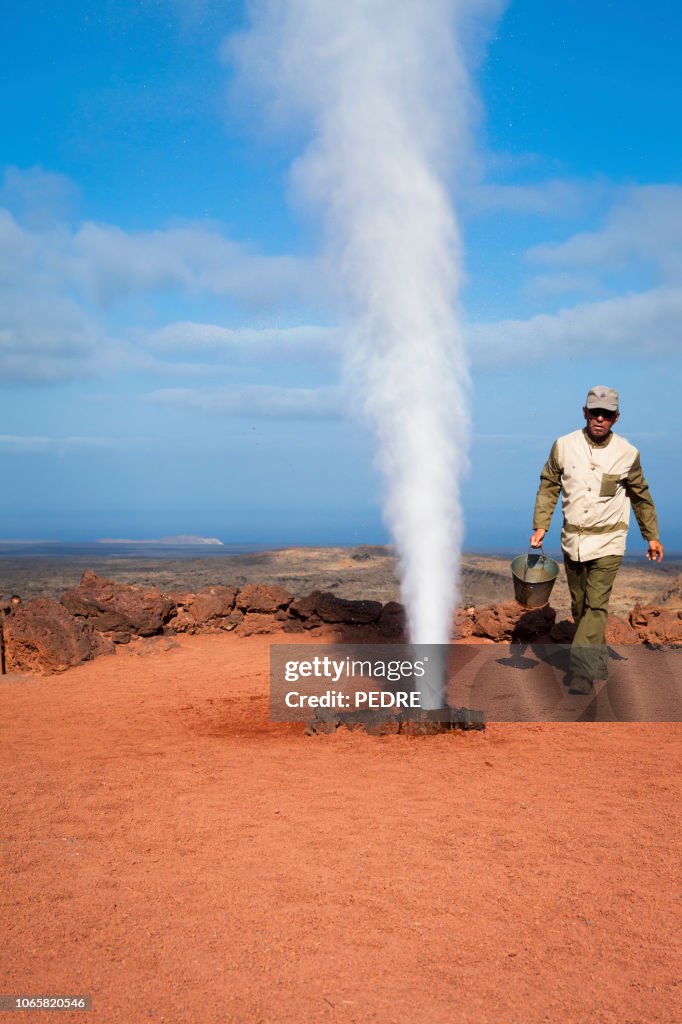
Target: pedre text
[[353, 701]]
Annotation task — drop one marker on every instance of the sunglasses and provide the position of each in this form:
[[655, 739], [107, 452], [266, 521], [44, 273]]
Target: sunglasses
[[601, 414]]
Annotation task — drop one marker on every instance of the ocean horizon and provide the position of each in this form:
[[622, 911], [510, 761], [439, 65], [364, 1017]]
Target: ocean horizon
[[24, 548]]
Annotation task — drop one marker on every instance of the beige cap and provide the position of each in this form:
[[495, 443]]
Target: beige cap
[[601, 397]]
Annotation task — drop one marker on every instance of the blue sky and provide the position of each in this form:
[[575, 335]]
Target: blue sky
[[170, 347]]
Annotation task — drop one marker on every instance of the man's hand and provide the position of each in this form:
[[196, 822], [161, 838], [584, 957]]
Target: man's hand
[[537, 537], [655, 552]]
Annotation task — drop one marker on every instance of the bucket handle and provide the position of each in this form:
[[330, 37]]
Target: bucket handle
[[535, 551]]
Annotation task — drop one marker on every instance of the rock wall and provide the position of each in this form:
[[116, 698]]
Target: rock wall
[[97, 616], [42, 636]]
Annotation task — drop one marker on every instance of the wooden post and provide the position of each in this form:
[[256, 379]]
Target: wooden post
[[2, 642]]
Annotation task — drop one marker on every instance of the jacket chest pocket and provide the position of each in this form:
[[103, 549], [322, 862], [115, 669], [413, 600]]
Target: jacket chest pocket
[[609, 485]]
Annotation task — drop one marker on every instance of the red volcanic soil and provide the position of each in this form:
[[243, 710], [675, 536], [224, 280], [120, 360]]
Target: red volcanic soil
[[168, 850]]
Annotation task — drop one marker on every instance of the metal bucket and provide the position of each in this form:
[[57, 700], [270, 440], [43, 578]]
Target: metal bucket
[[534, 576]]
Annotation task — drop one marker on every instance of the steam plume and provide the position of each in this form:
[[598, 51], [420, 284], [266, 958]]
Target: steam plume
[[384, 88]]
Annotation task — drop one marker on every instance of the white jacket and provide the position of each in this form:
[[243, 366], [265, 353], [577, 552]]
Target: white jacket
[[599, 483]]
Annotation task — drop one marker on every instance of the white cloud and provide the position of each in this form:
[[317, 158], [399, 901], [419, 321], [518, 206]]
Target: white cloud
[[62, 290], [38, 197], [565, 282], [644, 226], [45, 334], [112, 264], [628, 326], [639, 241], [192, 338], [258, 401], [554, 197], [25, 444]]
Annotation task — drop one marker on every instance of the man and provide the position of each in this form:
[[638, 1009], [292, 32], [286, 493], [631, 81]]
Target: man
[[600, 477]]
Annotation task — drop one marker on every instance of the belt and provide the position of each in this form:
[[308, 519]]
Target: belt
[[570, 528]]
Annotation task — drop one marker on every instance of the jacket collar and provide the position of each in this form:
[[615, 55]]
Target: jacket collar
[[598, 444]]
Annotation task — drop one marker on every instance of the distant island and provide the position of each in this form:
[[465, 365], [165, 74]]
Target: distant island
[[184, 540]]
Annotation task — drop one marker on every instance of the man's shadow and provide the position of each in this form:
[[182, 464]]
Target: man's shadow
[[553, 649]]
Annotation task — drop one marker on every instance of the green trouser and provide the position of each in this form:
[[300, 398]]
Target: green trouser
[[590, 585]]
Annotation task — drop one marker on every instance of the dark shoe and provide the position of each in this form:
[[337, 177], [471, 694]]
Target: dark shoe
[[581, 685]]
